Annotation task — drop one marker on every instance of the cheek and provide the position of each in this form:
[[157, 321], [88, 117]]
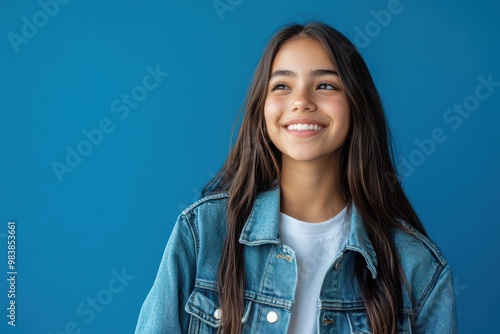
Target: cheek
[[272, 113], [340, 112], [345, 116], [345, 121]]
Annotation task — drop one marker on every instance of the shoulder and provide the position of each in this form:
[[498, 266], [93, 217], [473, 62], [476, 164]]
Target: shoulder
[[217, 201], [421, 261], [207, 216], [413, 244]]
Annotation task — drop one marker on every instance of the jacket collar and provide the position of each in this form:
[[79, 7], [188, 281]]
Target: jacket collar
[[263, 227]]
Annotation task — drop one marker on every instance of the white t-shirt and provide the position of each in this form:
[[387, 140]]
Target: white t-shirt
[[315, 245]]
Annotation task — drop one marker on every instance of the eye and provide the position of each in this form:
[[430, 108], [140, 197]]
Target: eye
[[327, 85], [279, 86]]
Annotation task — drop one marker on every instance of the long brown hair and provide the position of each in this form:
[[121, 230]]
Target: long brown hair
[[366, 172]]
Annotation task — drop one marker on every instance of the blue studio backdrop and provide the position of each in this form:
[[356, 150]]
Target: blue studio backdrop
[[115, 114]]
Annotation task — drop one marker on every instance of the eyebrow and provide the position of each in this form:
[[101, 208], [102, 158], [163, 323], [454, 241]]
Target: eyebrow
[[314, 73]]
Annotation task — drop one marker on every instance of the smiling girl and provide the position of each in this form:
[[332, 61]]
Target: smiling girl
[[304, 230]]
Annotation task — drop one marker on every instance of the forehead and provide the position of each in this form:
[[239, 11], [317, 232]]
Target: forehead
[[302, 54]]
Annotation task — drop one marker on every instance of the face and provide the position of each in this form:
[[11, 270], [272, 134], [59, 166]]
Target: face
[[306, 109]]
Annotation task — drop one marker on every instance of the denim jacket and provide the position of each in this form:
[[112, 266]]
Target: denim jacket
[[184, 297]]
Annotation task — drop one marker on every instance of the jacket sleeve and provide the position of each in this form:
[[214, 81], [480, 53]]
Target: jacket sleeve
[[163, 310], [438, 314]]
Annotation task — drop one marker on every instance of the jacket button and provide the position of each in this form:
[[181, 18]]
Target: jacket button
[[218, 314], [272, 317], [338, 265]]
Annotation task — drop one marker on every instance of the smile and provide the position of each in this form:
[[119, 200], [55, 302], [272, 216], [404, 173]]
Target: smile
[[304, 127]]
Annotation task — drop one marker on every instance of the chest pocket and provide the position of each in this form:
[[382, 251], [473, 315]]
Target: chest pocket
[[358, 321], [203, 305]]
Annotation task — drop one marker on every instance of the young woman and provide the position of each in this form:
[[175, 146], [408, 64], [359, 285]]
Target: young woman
[[305, 229]]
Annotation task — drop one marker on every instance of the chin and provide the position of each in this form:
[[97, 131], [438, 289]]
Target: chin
[[309, 156], [303, 157]]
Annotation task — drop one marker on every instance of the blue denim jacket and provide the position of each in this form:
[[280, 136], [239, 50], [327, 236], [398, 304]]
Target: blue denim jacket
[[184, 299]]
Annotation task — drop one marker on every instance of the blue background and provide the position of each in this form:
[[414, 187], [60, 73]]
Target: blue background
[[114, 212]]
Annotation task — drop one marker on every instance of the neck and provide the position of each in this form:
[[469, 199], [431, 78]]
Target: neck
[[310, 190]]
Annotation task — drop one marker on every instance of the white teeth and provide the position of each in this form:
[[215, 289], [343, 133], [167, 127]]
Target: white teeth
[[304, 127]]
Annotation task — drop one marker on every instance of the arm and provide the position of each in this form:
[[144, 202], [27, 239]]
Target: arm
[[163, 310], [437, 314]]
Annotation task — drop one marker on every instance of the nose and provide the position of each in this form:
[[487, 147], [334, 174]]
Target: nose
[[302, 101]]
